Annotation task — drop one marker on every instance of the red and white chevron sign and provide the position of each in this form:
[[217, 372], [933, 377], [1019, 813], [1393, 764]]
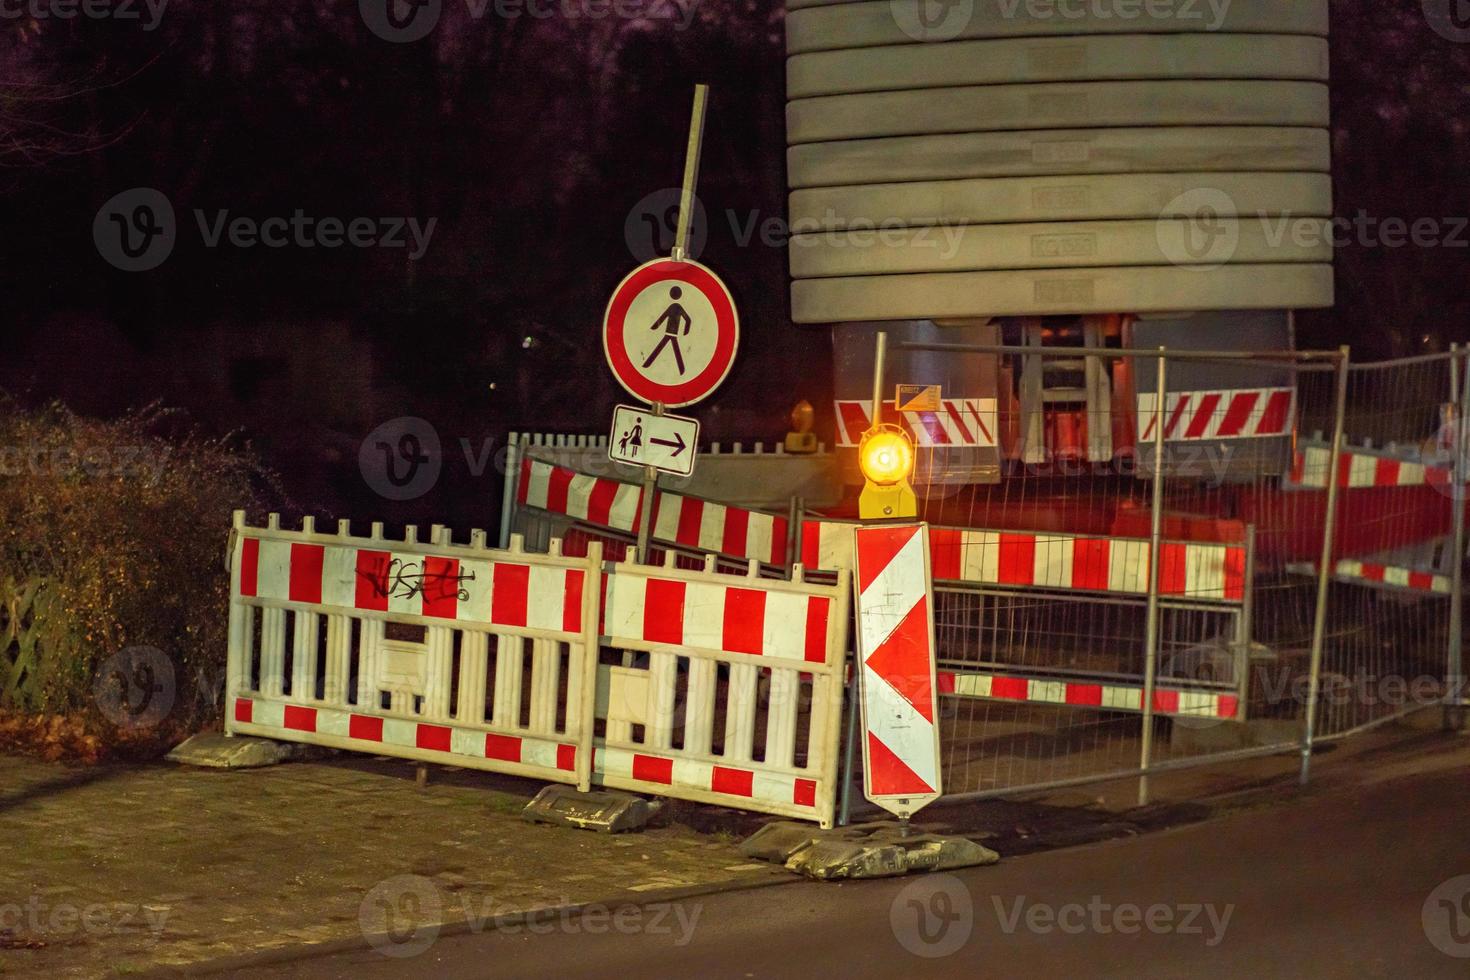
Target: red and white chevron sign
[[1198, 415], [895, 620], [968, 422]]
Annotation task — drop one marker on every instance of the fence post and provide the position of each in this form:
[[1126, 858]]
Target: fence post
[[1324, 572], [510, 488], [1455, 680], [1155, 554]]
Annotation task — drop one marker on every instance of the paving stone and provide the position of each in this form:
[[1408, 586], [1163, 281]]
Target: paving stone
[[217, 850]]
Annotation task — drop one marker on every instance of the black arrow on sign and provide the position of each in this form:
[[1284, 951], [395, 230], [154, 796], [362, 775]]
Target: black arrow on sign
[[677, 447]]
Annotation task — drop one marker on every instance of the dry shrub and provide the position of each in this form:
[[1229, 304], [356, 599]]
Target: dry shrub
[[112, 541]]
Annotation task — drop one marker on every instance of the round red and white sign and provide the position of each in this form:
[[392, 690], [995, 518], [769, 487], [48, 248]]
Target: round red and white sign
[[671, 332]]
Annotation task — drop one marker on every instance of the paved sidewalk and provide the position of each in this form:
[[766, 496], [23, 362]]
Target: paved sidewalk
[[119, 870]]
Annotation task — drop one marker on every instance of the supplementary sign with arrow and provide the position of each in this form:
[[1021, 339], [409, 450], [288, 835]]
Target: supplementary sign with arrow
[[667, 443]]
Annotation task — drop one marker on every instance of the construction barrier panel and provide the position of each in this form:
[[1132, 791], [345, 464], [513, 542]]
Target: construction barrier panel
[[440, 652], [739, 699], [490, 659]]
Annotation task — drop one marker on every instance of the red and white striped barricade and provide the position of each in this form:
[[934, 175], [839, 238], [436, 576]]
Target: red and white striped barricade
[[688, 522], [355, 643], [1363, 467], [1198, 416], [1055, 562], [895, 648], [709, 638]]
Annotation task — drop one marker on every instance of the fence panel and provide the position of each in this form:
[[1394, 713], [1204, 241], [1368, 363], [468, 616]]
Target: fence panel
[[733, 693], [439, 652], [1394, 562]]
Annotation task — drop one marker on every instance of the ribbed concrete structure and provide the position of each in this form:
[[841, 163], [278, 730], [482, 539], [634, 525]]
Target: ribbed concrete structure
[[1021, 158]]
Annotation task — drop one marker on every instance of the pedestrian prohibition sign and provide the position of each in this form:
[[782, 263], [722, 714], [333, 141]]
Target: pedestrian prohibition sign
[[670, 332]]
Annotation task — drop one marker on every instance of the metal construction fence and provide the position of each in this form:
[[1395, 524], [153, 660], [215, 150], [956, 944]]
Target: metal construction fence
[[1185, 557]]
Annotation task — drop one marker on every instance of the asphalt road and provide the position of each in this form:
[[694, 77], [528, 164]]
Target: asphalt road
[[1328, 886]]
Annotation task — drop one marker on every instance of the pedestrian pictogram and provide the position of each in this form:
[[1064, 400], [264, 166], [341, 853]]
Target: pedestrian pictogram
[[673, 319], [671, 332], [665, 442]]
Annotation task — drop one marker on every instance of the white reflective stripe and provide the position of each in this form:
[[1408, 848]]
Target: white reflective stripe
[[980, 557], [1362, 471], [1053, 563], [396, 731], [538, 485], [579, 496], [339, 577], [835, 548], [273, 571], [463, 742], [670, 513], [479, 582], [784, 634], [271, 714], [338, 723], [1128, 566], [712, 527], [624, 616], [759, 536], [973, 685], [894, 592], [1123, 698], [537, 753], [1054, 692], [704, 615], [1204, 571], [545, 597], [623, 514], [895, 722]]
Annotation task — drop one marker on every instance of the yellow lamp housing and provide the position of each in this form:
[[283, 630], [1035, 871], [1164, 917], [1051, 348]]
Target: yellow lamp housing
[[886, 458]]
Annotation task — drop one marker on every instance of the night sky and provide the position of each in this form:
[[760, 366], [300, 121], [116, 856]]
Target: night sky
[[529, 153]]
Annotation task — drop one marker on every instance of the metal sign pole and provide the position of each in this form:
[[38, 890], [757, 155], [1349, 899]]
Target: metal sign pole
[[645, 505], [691, 173]]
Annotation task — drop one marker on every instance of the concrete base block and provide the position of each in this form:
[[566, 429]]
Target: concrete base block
[[605, 811], [1205, 735], [871, 850], [216, 751]]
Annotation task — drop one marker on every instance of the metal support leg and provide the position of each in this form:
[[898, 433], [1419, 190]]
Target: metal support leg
[[1324, 573], [1155, 554]]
